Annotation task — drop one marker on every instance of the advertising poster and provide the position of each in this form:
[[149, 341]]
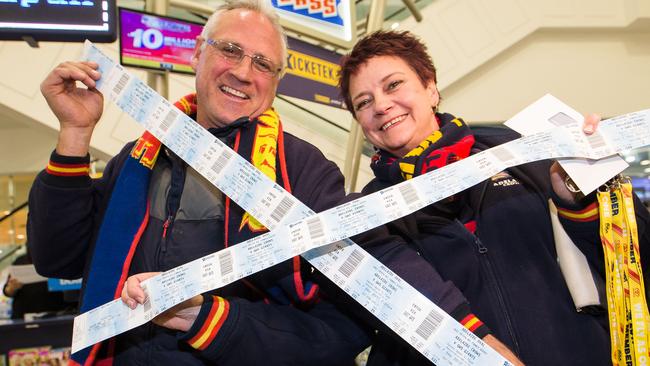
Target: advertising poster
[[312, 74], [157, 42]]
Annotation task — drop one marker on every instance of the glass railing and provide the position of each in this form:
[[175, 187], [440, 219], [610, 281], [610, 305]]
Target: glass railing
[[14, 190], [13, 225]]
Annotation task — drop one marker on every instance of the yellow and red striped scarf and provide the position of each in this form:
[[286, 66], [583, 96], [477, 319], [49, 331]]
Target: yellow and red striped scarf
[[263, 152]]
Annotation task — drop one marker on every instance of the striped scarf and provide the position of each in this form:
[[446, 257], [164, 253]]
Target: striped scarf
[[452, 142]]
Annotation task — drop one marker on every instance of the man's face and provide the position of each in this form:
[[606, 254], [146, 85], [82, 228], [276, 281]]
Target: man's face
[[227, 91]]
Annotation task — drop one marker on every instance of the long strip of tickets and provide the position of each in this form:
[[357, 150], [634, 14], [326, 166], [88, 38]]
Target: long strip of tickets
[[322, 238]]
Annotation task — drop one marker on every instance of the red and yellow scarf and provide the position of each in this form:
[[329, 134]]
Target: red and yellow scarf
[[453, 141]]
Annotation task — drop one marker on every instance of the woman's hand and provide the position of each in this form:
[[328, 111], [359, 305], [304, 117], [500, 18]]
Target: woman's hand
[[502, 349], [562, 184], [180, 317]]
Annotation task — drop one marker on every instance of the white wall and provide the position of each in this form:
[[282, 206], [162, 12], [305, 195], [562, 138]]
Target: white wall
[[496, 56], [592, 71]]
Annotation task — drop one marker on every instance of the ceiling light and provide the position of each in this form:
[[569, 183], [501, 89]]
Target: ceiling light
[[630, 158], [646, 170], [394, 26], [645, 162]]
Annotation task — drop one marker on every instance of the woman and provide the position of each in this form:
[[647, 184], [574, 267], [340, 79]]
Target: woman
[[498, 271]]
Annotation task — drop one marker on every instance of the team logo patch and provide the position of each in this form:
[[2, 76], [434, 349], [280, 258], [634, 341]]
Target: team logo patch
[[146, 150], [503, 179]]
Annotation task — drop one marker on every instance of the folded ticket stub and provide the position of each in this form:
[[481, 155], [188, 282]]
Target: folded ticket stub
[[549, 112], [320, 238]]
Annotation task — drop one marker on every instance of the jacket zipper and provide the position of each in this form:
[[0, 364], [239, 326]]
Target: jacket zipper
[[483, 250], [166, 226], [173, 201]]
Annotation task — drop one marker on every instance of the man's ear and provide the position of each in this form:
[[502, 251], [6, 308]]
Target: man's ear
[[194, 62]]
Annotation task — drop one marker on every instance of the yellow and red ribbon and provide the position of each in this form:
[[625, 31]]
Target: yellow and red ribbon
[[626, 301]]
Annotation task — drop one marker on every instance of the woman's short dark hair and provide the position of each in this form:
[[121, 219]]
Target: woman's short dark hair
[[404, 45]]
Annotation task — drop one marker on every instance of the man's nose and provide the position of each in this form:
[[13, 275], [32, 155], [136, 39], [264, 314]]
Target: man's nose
[[243, 69]]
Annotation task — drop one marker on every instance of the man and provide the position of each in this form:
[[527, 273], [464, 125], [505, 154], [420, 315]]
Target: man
[[150, 212]]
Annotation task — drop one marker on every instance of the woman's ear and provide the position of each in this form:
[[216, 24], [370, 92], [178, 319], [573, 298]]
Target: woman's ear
[[434, 95]]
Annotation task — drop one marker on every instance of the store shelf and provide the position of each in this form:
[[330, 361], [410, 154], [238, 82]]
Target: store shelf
[[55, 332]]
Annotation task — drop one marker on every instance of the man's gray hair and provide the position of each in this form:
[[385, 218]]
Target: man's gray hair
[[263, 7]]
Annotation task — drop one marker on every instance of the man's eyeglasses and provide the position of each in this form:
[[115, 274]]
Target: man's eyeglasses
[[235, 54]]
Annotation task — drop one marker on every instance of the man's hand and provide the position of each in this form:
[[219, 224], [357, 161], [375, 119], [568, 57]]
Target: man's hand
[[77, 108], [559, 176], [180, 317], [501, 348]]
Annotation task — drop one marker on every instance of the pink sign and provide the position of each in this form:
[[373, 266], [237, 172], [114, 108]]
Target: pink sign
[[157, 42]]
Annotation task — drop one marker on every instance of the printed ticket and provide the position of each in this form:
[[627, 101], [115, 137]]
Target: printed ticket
[[322, 238], [25, 274], [542, 115]]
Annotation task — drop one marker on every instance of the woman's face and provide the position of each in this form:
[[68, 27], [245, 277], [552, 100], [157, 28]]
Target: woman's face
[[391, 104]]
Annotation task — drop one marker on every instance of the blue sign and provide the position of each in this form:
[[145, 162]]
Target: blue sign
[[58, 284]]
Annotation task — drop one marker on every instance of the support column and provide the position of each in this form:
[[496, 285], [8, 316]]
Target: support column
[[158, 80], [355, 141]]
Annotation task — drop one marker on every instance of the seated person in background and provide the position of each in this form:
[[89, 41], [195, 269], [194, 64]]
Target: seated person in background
[[498, 273], [33, 297]]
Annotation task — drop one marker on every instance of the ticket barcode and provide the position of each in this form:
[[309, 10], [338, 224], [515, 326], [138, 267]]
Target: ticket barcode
[[121, 84], [409, 193], [351, 263], [79, 325], [596, 140], [315, 227], [562, 119], [147, 301], [168, 120], [429, 325], [283, 207], [502, 154], [221, 162], [225, 263]]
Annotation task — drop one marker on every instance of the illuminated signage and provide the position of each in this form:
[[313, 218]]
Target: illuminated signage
[[313, 68], [325, 10], [312, 74], [332, 21], [156, 42], [58, 20]]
